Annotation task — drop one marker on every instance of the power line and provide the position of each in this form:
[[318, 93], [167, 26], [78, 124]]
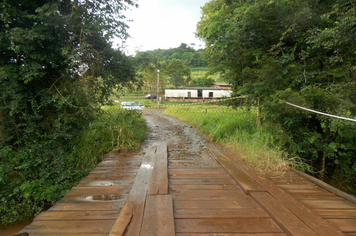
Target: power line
[[321, 113]]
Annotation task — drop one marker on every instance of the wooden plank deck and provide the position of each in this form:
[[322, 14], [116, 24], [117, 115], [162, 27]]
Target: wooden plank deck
[[332, 207], [208, 201], [159, 195], [92, 207], [303, 210]]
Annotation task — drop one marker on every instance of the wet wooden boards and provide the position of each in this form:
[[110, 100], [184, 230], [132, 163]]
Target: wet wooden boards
[[159, 179], [158, 219], [334, 208], [286, 219], [306, 215], [130, 219], [149, 208], [247, 183], [93, 206]]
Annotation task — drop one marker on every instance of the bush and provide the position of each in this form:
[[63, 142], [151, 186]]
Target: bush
[[41, 172]]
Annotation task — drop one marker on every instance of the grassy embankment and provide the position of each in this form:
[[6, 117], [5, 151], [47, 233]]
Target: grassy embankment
[[236, 130]]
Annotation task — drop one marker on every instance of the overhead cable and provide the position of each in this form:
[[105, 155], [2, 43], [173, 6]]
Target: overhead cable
[[321, 113]]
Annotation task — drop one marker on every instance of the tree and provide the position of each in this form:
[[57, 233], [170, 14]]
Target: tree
[[193, 58], [296, 51], [178, 72], [56, 66], [203, 82]]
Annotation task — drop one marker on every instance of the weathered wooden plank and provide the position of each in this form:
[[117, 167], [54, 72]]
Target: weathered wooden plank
[[113, 176], [208, 195], [282, 215], [247, 183], [183, 187], [232, 234], [298, 186], [158, 218], [210, 181], [53, 234], [70, 227], [337, 213], [106, 183], [345, 225], [324, 196], [227, 204], [94, 198], [159, 178], [326, 186], [330, 203], [313, 220], [223, 176], [173, 165], [131, 216], [189, 171], [246, 213], [226, 225], [88, 206], [123, 171], [96, 190], [77, 215], [115, 163]]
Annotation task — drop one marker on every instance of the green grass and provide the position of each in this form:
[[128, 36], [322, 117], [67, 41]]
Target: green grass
[[236, 129], [113, 130]]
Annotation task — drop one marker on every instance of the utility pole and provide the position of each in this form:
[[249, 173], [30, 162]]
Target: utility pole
[[157, 99]]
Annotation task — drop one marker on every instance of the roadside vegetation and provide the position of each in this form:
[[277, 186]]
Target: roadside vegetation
[[42, 174], [300, 52], [56, 70], [236, 129]]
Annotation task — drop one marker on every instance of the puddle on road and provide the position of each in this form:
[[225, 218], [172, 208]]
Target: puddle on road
[[109, 197]]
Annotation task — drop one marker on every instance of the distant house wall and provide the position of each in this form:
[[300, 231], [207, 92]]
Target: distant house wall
[[178, 93], [217, 93], [197, 93]]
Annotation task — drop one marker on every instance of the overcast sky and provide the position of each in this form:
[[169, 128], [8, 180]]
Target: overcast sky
[[163, 24]]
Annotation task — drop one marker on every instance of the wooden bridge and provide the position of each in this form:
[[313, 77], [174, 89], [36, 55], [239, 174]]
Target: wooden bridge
[[151, 194]]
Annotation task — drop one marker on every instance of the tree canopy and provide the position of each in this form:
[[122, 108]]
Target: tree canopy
[[190, 56], [302, 52], [56, 66]]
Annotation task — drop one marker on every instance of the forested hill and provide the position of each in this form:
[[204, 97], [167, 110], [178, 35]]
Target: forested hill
[[192, 57], [302, 52]]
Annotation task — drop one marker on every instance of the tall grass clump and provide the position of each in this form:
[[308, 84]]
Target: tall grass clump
[[120, 130], [237, 130]]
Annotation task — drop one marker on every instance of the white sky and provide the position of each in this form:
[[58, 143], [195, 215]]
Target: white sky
[[163, 24]]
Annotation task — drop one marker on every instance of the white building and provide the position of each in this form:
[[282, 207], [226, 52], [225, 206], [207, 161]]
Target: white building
[[198, 93]]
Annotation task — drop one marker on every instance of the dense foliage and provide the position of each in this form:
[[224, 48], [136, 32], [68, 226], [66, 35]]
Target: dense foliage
[[56, 66], [301, 52], [190, 56], [32, 179]]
